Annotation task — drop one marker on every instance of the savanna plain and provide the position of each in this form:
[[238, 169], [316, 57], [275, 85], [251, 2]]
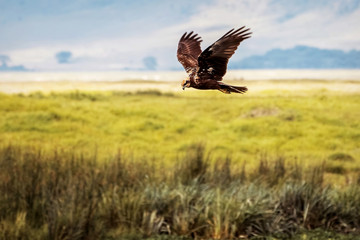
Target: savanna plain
[[102, 162]]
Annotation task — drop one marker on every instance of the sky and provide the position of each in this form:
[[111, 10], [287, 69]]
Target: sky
[[109, 35]]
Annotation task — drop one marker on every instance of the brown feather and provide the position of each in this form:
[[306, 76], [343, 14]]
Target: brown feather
[[216, 56], [225, 88], [188, 51]]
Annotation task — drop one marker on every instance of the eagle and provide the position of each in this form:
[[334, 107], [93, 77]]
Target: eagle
[[207, 68]]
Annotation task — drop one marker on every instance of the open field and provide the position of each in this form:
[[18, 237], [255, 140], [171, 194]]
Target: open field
[[256, 80], [127, 159], [255, 86], [308, 125]]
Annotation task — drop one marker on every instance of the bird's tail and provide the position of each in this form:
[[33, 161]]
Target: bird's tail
[[229, 89]]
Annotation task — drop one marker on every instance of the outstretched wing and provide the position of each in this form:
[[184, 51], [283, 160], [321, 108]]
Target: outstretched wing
[[189, 51], [213, 60]]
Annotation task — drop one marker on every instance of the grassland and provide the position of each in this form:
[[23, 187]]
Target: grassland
[[90, 165], [306, 127]]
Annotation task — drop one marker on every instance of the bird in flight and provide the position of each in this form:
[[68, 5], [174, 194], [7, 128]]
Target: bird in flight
[[207, 68]]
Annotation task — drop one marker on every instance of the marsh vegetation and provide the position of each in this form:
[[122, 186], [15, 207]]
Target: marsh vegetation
[[130, 165]]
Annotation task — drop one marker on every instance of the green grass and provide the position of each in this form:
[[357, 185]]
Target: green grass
[[308, 127], [196, 164]]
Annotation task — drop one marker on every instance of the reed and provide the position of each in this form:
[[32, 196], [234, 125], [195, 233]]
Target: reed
[[62, 195]]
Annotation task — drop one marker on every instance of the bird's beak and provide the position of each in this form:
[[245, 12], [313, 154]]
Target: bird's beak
[[184, 87]]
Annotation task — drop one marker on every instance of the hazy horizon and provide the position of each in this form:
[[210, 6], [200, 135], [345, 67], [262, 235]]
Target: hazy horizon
[[111, 76]]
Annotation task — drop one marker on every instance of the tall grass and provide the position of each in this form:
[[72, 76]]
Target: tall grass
[[62, 195], [265, 171]]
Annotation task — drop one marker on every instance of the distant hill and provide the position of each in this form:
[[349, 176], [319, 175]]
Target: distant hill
[[301, 57], [4, 59], [5, 68]]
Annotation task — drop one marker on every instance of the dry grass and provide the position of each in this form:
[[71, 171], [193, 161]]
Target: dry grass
[[67, 196]]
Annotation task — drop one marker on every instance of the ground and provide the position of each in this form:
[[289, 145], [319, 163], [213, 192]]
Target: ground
[[126, 156]]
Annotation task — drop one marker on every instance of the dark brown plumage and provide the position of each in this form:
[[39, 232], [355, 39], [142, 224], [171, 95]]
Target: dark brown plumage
[[206, 69]]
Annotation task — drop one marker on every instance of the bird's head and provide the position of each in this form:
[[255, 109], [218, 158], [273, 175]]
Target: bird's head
[[185, 83]]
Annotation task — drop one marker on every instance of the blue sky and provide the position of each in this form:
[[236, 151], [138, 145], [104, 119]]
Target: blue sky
[[113, 35]]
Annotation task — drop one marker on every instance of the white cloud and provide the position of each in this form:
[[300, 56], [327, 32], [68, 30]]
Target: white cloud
[[319, 27], [273, 23]]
